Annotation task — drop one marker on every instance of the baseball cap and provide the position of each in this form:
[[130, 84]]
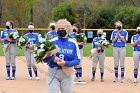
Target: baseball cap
[[138, 27]]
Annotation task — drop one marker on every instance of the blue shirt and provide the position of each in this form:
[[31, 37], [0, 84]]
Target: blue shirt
[[5, 33], [73, 35], [69, 52], [133, 39], [51, 34], [118, 42], [95, 43], [33, 38]]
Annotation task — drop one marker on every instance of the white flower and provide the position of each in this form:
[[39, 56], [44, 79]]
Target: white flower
[[35, 55], [21, 39], [42, 46], [35, 48]]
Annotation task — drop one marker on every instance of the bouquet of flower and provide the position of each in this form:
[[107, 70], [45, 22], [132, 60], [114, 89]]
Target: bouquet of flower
[[13, 36], [104, 42], [42, 50], [23, 40], [81, 37]]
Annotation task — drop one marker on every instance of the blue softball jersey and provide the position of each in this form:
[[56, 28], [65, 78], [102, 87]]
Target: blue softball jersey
[[33, 38], [119, 43], [5, 33], [73, 35], [133, 39], [68, 51], [95, 43], [51, 34]]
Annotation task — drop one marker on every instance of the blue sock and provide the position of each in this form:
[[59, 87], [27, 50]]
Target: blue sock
[[13, 71], [30, 71], [135, 73], [8, 70], [76, 72], [35, 71], [93, 72], [102, 75], [116, 71], [80, 72], [122, 72]]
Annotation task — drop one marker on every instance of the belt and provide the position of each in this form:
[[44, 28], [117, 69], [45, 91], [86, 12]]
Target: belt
[[55, 67], [12, 42], [119, 46]]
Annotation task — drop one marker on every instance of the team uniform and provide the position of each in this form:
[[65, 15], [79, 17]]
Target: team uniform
[[51, 34], [98, 57], [136, 54], [10, 53], [78, 68], [57, 79], [33, 38], [119, 52]]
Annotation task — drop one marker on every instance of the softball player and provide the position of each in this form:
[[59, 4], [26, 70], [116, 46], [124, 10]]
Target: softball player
[[135, 41], [119, 39], [67, 56], [33, 38], [10, 53], [99, 55], [52, 33], [78, 68]]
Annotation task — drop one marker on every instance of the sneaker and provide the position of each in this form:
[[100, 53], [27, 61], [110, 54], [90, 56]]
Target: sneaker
[[135, 80], [122, 80], [115, 80], [37, 78], [13, 78], [8, 78], [80, 80], [93, 79], [102, 80], [30, 78], [76, 79]]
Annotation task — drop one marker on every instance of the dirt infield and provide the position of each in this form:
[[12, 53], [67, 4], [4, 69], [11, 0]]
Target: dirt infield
[[23, 85]]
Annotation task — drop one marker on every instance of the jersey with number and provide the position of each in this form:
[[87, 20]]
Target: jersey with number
[[5, 33], [51, 34], [33, 38], [95, 43], [119, 42], [134, 38], [68, 51]]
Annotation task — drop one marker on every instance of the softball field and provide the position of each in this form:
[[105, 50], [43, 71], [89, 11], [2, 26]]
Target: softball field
[[23, 85]]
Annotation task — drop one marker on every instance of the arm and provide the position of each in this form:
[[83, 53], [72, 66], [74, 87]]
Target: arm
[[116, 38], [135, 43]]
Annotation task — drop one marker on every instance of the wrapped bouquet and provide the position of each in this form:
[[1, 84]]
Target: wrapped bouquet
[[23, 40], [104, 42], [81, 37], [13, 36], [42, 50]]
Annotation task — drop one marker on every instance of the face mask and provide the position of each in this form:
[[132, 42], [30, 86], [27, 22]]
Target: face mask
[[61, 33], [31, 31], [99, 35], [7, 27], [74, 30], [119, 27], [138, 33]]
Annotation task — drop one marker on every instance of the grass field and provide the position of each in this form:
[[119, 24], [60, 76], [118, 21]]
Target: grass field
[[87, 49]]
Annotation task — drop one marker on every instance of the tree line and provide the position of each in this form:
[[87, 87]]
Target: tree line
[[88, 13]]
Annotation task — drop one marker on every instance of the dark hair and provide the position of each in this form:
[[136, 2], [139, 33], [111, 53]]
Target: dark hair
[[11, 23], [52, 27], [79, 28]]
